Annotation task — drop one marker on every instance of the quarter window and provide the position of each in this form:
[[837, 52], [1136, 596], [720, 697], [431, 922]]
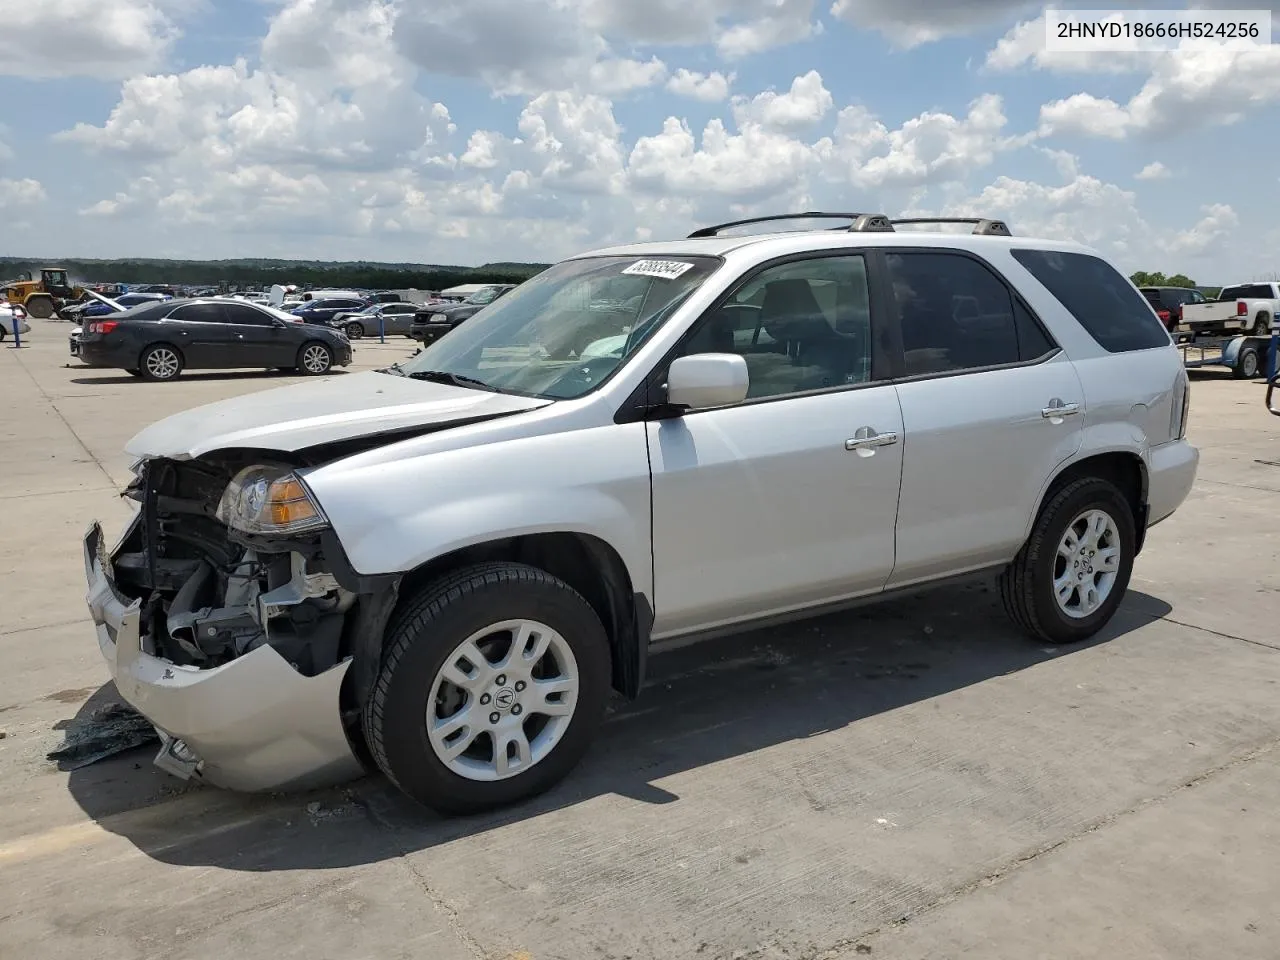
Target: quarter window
[[1103, 302], [804, 325], [955, 314]]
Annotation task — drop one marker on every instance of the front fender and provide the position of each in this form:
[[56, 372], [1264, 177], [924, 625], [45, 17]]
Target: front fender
[[394, 516]]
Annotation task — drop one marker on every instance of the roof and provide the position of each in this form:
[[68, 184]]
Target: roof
[[794, 241]]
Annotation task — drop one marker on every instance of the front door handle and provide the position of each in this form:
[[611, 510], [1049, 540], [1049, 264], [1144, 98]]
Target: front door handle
[[865, 440], [1057, 409]]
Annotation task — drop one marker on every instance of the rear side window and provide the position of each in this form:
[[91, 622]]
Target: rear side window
[[1101, 300], [956, 314], [200, 313]]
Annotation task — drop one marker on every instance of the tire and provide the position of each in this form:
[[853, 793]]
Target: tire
[[1261, 326], [424, 639], [160, 361], [3, 333], [1027, 584], [1246, 367], [39, 307], [315, 359], [354, 331]]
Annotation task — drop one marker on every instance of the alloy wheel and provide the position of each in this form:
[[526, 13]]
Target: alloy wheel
[[502, 700], [316, 358], [162, 363], [1087, 564]]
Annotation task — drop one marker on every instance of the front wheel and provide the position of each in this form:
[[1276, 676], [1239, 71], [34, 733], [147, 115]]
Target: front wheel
[[354, 331], [314, 359], [493, 683], [40, 307], [1068, 579], [160, 362]]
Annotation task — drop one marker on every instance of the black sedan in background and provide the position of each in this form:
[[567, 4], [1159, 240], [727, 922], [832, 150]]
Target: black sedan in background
[[431, 323], [158, 341]]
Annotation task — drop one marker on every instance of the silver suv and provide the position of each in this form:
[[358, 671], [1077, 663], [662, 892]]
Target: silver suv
[[442, 568]]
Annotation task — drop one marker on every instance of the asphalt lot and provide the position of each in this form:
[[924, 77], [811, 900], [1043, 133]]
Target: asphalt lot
[[908, 781]]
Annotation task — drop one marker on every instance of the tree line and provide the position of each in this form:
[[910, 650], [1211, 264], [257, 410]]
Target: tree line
[[264, 273]]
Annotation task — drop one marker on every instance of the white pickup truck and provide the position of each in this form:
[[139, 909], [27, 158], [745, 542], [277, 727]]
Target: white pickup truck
[[1247, 307]]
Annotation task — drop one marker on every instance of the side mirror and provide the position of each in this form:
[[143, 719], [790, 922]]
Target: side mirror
[[707, 380]]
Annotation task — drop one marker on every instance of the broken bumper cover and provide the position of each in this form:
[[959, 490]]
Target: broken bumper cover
[[253, 724]]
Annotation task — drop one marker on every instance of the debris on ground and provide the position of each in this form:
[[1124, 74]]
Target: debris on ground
[[109, 730]]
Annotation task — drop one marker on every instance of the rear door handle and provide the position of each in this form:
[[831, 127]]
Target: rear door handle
[[1057, 409]]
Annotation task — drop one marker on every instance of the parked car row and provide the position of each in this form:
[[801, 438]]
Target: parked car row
[[433, 321]]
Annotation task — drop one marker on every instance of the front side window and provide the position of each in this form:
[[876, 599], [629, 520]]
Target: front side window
[[953, 312], [1102, 301], [803, 325], [563, 333], [246, 316]]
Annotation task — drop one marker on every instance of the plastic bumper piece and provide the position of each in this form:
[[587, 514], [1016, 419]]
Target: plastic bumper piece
[[254, 724]]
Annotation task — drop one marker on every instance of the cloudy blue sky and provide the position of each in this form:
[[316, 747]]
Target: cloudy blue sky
[[462, 131]]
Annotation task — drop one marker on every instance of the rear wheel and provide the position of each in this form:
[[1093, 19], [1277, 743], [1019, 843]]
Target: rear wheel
[[1246, 367], [493, 684], [160, 362], [354, 331], [40, 307], [314, 359], [1068, 579], [1261, 325]]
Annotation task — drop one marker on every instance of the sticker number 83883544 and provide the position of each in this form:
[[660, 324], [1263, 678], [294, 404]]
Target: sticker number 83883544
[[662, 269]]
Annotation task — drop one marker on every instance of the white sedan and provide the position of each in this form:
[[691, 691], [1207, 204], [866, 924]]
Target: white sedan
[[11, 316]]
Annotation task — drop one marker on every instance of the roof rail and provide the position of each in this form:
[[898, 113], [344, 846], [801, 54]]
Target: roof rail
[[861, 222], [981, 227]]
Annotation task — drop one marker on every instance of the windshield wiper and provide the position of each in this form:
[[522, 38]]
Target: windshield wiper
[[394, 369], [457, 379]]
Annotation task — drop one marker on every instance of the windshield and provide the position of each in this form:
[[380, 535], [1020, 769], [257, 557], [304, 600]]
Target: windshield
[[487, 295], [563, 333]]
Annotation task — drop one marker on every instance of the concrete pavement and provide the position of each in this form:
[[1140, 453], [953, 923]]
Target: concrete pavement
[[910, 780]]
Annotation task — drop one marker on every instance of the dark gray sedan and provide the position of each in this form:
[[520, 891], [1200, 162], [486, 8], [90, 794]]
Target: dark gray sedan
[[158, 341]]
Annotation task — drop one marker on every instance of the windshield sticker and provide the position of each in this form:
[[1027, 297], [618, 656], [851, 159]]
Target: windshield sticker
[[662, 269]]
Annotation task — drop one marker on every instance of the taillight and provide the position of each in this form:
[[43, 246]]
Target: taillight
[[103, 326], [1242, 308]]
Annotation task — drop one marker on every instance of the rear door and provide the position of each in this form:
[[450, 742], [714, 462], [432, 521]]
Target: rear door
[[200, 331], [991, 407], [396, 317], [255, 340]]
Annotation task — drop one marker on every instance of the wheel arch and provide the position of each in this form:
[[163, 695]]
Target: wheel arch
[[1123, 467], [588, 564]]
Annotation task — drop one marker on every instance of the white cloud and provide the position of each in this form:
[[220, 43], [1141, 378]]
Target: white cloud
[[1155, 170], [103, 39], [735, 27], [800, 108], [912, 22], [929, 149], [1217, 224], [1187, 89], [707, 87], [20, 193], [1025, 44], [615, 76]]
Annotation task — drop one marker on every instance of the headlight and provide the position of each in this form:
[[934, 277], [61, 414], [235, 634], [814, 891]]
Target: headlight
[[263, 499]]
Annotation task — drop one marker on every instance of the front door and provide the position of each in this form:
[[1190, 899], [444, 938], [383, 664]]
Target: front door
[[255, 340], [788, 499], [992, 408]]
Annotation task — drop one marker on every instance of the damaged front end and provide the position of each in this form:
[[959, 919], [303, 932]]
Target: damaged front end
[[232, 621]]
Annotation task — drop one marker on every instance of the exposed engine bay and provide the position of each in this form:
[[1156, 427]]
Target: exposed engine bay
[[210, 593]]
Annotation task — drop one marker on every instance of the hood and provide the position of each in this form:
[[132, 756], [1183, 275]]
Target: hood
[[323, 411]]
